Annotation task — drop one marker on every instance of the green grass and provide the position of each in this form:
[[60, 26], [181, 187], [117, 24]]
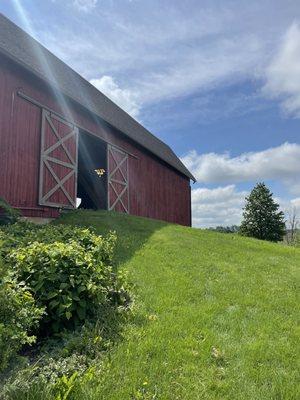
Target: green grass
[[217, 315]]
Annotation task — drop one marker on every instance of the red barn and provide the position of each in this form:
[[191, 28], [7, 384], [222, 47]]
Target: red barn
[[61, 139]]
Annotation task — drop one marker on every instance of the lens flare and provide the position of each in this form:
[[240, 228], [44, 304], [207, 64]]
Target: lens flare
[[42, 59]]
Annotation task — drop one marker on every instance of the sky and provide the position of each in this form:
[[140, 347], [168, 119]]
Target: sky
[[219, 81]]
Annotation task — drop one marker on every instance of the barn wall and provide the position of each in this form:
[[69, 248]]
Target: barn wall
[[156, 189]]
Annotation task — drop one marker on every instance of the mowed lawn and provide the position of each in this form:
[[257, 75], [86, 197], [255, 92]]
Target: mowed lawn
[[216, 315]]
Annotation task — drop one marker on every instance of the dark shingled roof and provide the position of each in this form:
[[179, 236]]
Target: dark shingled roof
[[25, 50]]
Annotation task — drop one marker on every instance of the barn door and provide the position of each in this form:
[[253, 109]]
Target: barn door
[[58, 165], [118, 188]]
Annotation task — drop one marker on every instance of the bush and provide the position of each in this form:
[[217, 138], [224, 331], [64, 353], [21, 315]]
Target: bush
[[73, 354], [57, 277], [69, 279], [8, 215], [68, 270], [19, 315], [23, 233]]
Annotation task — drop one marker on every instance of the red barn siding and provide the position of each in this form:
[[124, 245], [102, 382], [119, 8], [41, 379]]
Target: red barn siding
[[156, 190]]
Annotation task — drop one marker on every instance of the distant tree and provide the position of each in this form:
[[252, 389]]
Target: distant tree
[[262, 218], [292, 225], [225, 229]]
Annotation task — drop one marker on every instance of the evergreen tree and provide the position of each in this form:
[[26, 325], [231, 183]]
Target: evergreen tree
[[261, 218]]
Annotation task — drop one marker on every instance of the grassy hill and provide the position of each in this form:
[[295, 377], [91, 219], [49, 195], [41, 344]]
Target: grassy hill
[[216, 314]]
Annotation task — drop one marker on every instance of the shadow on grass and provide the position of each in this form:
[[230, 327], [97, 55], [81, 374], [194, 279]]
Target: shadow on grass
[[107, 326], [132, 232]]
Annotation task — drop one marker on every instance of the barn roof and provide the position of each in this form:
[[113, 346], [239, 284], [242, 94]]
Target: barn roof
[[22, 48]]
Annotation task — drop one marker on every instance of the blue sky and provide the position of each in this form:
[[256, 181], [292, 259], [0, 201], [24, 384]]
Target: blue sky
[[217, 80]]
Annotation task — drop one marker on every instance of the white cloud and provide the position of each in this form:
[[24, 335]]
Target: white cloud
[[124, 98], [223, 206], [226, 61], [165, 50], [85, 5], [284, 71], [152, 75], [296, 203], [218, 206], [280, 163], [288, 205]]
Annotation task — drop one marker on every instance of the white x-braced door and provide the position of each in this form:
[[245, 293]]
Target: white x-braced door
[[118, 184], [58, 165]]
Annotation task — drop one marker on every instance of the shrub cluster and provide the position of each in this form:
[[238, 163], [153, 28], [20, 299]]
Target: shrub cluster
[[19, 315], [68, 279], [57, 277], [8, 215]]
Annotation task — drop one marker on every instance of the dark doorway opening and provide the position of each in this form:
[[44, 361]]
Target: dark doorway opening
[[92, 172]]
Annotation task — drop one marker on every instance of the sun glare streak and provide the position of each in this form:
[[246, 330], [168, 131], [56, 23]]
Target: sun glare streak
[[51, 75], [43, 61], [60, 98]]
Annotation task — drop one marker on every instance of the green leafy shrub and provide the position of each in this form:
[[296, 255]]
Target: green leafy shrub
[[19, 315], [70, 279], [59, 358], [68, 269], [53, 368], [30, 385], [23, 233], [8, 215], [15, 235], [67, 272]]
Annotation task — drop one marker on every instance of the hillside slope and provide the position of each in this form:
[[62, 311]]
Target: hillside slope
[[216, 314]]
